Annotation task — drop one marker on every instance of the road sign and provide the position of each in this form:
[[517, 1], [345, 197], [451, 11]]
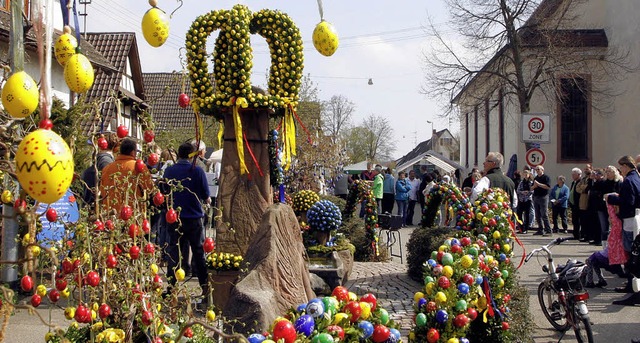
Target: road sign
[[536, 128], [535, 157]]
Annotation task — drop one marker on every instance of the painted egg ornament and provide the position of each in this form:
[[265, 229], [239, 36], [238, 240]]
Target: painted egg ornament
[[463, 288], [383, 316], [453, 340], [325, 38], [20, 95], [322, 338], [155, 26], [366, 310], [315, 308], [380, 333], [396, 334], [330, 305], [78, 73], [366, 327], [339, 318], [256, 338], [44, 165], [336, 331], [421, 319], [284, 330], [433, 335], [466, 261], [305, 325], [447, 271], [65, 46], [442, 316]]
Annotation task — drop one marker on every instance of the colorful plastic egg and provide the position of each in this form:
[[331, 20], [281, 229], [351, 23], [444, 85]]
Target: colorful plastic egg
[[20, 95], [155, 27], [284, 330], [441, 297], [78, 73], [325, 38], [442, 316], [466, 261], [256, 338], [315, 308], [447, 271], [383, 315], [366, 310], [366, 327], [322, 338], [44, 165], [433, 335], [421, 319]]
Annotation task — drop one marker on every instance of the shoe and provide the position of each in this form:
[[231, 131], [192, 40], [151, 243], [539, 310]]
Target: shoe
[[524, 232], [601, 284], [623, 289], [634, 299], [538, 233], [555, 230], [565, 231], [582, 240], [590, 285]]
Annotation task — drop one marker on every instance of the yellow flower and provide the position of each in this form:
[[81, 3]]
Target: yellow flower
[[111, 335]]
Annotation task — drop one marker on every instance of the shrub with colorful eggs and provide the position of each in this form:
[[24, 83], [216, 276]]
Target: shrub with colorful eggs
[[341, 317], [303, 200], [467, 280], [324, 216]]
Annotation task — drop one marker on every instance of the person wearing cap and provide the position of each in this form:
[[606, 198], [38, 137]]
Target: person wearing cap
[[494, 177], [201, 161]]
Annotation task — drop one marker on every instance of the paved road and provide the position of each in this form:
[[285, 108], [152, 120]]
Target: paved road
[[395, 292]]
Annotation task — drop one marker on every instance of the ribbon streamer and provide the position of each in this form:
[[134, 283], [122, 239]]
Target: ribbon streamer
[[220, 133], [320, 9], [253, 157], [288, 138], [236, 104], [513, 232]]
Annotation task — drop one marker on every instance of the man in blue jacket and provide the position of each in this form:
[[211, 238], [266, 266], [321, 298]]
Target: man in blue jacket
[[189, 230]]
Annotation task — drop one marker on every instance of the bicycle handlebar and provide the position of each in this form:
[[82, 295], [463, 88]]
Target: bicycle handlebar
[[556, 241]]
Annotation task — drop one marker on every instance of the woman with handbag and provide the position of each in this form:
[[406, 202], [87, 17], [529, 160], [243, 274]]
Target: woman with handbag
[[628, 201]]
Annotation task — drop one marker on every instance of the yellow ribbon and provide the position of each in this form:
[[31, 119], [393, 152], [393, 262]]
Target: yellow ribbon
[[288, 138], [220, 133], [237, 122]]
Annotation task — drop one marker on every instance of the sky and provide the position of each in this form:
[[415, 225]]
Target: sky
[[379, 39]]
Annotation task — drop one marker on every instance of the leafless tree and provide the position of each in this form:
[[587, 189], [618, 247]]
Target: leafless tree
[[519, 47], [336, 115], [372, 140]]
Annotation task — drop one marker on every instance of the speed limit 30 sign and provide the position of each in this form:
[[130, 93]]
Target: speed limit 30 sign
[[535, 128], [535, 157]]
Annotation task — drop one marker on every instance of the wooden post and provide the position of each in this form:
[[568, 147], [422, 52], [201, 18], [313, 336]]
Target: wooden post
[[243, 199]]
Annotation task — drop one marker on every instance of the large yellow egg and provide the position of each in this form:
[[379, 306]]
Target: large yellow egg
[[155, 27], [44, 165], [78, 73], [20, 95], [65, 47], [325, 38]]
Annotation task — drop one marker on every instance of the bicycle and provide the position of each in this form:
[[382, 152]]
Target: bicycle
[[562, 295]]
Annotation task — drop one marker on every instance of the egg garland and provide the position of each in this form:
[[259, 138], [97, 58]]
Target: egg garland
[[275, 166], [233, 57], [155, 25], [44, 165], [65, 46], [341, 317], [469, 276], [360, 191], [324, 216], [457, 203], [303, 200], [325, 38], [20, 95]]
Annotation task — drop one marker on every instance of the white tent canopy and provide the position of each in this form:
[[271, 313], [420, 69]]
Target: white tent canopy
[[434, 158], [216, 156], [356, 167]]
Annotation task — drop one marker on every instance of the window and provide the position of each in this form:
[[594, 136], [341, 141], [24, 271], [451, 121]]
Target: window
[[5, 5], [446, 141], [574, 127]]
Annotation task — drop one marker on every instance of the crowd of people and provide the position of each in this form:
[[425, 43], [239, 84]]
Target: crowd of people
[[181, 240]]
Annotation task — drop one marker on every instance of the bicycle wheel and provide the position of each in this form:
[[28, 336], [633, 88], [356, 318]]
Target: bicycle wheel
[[582, 327], [552, 308]]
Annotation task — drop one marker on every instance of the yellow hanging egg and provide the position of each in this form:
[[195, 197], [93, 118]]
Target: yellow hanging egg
[[155, 27], [466, 261], [447, 271], [78, 73], [65, 46], [441, 298], [44, 165], [366, 310], [20, 95], [325, 38]]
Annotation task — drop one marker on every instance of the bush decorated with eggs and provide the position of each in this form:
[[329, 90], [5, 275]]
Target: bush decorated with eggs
[[324, 216], [469, 278], [341, 317]]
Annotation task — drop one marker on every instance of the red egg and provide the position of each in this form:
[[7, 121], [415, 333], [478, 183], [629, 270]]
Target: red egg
[[444, 282], [353, 307], [371, 299], [381, 333], [431, 306], [285, 330], [433, 335], [460, 320], [122, 131], [341, 293], [473, 314]]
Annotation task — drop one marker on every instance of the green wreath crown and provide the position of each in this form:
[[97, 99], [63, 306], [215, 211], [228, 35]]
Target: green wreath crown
[[233, 59]]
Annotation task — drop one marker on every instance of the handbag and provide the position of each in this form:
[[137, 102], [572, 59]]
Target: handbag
[[634, 258], [632, 224]]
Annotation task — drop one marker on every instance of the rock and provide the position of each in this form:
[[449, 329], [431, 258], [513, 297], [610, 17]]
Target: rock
[[333, 268], [278, 278], [318, 285]]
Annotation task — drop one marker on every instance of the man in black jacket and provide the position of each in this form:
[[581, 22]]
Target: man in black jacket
[[574, 202]]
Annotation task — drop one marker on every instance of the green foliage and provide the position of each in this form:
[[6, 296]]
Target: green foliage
[[341, 243], [354, 229], [421, 243], [341, 203]]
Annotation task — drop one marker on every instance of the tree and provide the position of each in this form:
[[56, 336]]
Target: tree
[[372, 140], [527, 46], [336, 115]]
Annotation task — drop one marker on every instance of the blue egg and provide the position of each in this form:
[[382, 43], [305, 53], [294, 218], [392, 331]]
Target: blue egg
[[256, 338], [463, 340], [395, 333], [463, 288], [366, 327], [442, 316], [479, 280], [301, 308], [315, 308], [455, 241], [422, 302], [502, 257], [432, 262], [305, 325]]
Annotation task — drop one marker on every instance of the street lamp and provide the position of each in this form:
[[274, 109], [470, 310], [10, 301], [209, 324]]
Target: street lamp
[[430, 122]]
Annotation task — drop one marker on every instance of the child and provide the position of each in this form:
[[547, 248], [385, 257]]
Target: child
[[597, 260]]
